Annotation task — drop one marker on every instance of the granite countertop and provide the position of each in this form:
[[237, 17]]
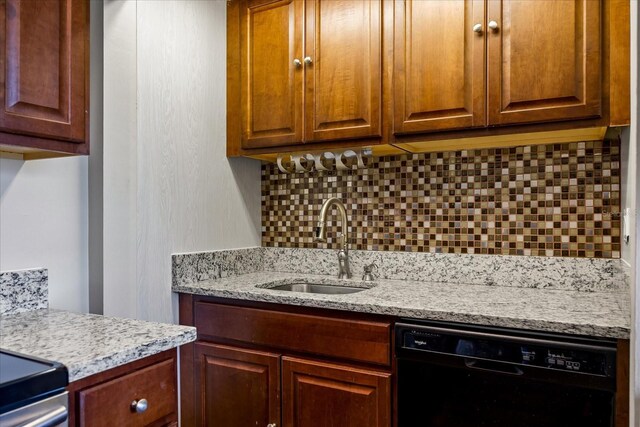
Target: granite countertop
[[87, 343], [597, 313]]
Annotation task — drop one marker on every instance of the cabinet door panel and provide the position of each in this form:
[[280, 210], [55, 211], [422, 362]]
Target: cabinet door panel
[[439, 72], [42, 68], [317, 394], [271, 84], [544, 60], [236, 387], [344, 81]]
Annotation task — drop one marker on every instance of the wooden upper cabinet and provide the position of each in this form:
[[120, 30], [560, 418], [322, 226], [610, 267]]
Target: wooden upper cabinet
[[439, 65], [310, 70], [271, 83], [544, 60], [542, 63], [343, 72], [404, 72], [44, 71], [319, 394], [236, 387]]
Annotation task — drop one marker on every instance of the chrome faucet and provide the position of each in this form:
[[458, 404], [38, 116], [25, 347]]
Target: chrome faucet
[[344, 272]]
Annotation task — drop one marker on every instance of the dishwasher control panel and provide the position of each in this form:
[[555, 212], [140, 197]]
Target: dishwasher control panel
[[594, 359]]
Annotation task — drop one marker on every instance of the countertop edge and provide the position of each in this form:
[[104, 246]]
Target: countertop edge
[[86, 343], [586, 329], [95, 366]]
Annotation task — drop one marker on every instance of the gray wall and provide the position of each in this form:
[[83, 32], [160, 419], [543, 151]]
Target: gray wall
[[44, 206], [168, 184], [43, 223]]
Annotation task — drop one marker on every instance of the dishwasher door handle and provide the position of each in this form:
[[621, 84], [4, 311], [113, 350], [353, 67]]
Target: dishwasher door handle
[[495, 367], [52, 418]]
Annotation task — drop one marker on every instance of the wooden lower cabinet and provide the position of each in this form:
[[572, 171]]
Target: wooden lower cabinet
[[106, 398], [236, 387], [266, 365], [318, 394]]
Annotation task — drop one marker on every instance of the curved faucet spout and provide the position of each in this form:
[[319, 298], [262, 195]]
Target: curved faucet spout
[[321, 234], [321, 230]]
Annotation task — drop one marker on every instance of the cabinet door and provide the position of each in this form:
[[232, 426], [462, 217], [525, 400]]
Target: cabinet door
[[43, 63], [439, 65], [317, 394], [343, 83], [271, 83], [236, 387], [544, 60]]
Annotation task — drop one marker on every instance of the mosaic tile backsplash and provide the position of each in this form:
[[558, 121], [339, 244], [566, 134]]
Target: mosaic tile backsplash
[[544, 200]]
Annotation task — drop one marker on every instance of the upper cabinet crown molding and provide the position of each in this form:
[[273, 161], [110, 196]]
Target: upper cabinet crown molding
[[44, 77], [393, 73]]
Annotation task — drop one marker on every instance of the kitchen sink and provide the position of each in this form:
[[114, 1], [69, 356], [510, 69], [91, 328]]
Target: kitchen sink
[[316, 288]]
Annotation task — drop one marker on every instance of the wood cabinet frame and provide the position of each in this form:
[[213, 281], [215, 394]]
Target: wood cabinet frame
[[615, 84]]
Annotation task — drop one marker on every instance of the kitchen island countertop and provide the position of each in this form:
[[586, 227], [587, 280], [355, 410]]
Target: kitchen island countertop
[[87, 344]]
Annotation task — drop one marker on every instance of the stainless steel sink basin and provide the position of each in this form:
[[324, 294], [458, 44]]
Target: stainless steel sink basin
[[314, 288]]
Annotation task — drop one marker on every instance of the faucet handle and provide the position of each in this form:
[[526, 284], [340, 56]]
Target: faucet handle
[[368, 272]]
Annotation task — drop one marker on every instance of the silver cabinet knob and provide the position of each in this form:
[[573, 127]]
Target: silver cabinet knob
[[139, 406], [307, 60], [297, 63], [477, 28], [271, 425], [493, 25]]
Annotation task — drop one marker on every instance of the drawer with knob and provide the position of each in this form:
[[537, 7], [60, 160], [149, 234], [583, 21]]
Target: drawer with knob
[[145, 397]]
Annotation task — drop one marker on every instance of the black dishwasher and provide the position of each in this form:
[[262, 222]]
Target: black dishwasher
[[452, 375]]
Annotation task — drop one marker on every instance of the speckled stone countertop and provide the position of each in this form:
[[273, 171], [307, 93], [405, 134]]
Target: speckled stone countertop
[[24, 290], [86, 343], [596, 313]]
